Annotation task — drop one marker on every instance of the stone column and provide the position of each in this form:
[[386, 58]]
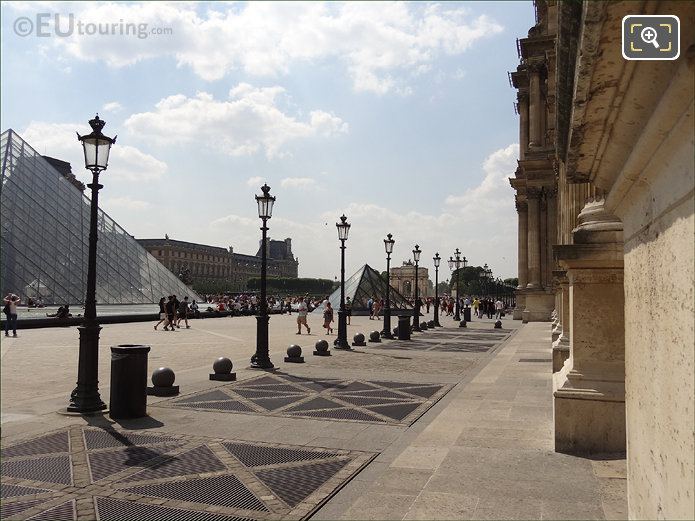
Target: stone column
[[534, 245], [551, 223], [535, 139], [589, 390], [522, 98], [561, 345], [522, 268]]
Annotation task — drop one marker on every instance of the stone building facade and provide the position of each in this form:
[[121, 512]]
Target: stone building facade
[[204, 263], [402, 278], [604, 194]]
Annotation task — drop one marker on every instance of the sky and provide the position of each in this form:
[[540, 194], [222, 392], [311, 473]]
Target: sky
[[399, 115]]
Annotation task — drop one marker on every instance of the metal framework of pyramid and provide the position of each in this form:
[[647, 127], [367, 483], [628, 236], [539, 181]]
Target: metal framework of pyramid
[[45, 238], [366, 283]]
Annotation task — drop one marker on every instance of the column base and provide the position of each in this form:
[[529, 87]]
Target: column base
[[561, 352], [588, 412], [538, 306]]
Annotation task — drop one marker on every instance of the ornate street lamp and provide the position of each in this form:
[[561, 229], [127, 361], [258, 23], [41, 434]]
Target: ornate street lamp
[[457, 263], [437, 259], [85, 398], [343, 229], [485, 278], [388, 246], [416, 307], [261, 360]]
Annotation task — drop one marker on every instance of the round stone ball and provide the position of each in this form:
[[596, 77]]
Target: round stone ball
[[423, 326], [294, 351], [374, 336], [321, 346], [498, 324], [358, 338], [430, 324], [395, 331], [222, 365], [163, 377]]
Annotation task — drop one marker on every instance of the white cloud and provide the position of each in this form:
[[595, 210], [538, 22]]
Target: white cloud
[[254, 181], [58, 140], [298, 182], [112, 106], [380, 44], [246, 123]]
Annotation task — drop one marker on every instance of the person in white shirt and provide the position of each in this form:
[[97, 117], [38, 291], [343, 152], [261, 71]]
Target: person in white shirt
[[10, 310], [499, 306], [303, 310]]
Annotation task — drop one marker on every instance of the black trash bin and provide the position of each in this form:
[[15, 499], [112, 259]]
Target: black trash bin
[[467, 314], [404, 327], [128, 381]]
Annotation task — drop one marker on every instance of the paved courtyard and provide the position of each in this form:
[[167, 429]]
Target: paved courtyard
[[455, 424]]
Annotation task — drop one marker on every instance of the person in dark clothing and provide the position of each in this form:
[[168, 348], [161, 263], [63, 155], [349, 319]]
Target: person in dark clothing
[[162, 313], [183, 313], [176, 311], [170, 309]]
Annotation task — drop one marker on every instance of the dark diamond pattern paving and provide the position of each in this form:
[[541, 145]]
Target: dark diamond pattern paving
[[50, 469], [120, 510], [7, 491], [103, 439], [211, 479], [323, 398], [258, 455], [103, 464], [51, 444], [206, 397], [226, 491], [63, 512], [396, 411], [196, 461], [294, 484]]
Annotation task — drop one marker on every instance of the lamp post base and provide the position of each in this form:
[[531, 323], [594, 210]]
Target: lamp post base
[[261, 360], [386, 331], [341, 342], [85, 398]]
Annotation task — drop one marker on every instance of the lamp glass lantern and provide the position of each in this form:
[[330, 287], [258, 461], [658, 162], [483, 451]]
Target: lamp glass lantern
[[96, 146], [343, 228], [437, 259], [465, 262], [265, 203], [451, 263], [388, 243], [416, 253]]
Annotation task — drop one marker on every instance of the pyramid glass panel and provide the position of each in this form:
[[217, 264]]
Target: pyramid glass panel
[[45, 239], [366, 283]]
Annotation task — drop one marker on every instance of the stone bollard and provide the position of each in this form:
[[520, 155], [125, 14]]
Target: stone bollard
[[462, 324], [294, 354], [358, 340], [498, 324], [375, 337], [423, 326], [404, 327], [321, 348], [163, 383], [223, 370], [430, 324]]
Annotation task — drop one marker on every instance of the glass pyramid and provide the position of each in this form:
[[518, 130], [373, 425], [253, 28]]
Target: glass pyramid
[[44, 231], [366, 283]]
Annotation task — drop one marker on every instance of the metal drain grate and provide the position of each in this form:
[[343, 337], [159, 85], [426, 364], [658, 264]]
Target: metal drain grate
[[104, 439], [49, 469], [280, 388], [7, 491], [253, 393], [195, 461], [340, 414], [395, 385], [118, 510], [51, 444], [259, 455], [230, 405], [225, 491], [423, 392], [205, 397], [294, 484], [364, 400], [535, 360], [356, 386], [379, 393], [63, 512], [316, 403], [103, 464], [396, 411], [12, 509], [272, 404]]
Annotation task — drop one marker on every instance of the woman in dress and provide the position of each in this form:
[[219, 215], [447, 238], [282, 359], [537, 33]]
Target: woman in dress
[[328, 318]]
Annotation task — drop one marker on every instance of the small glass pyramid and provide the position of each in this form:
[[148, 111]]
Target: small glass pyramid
[[45, 235], [366, 283]]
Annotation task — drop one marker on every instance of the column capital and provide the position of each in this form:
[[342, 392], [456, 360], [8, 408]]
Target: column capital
[[533, 192], [535, 65], [522, 95], [521, 205]]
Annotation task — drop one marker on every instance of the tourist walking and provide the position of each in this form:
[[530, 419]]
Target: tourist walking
[[183, 313], [499, 309], [170, 309], [328, 318], [302, 312], [476, 307], [162, 312], [176, 312], [370, 308], [10, 310], [377, 308], [348, 309]]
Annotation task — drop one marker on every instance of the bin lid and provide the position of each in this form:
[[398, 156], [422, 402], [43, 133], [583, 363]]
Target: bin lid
[[130, 348]]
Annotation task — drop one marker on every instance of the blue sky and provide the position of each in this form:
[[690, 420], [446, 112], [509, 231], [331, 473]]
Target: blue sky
[[399, 115]]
